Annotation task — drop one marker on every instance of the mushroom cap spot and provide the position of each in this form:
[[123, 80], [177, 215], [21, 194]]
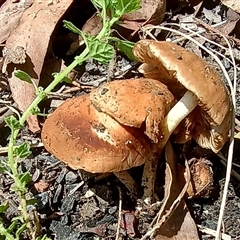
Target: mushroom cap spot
[[83, 138], [184, 70], [135, 103]]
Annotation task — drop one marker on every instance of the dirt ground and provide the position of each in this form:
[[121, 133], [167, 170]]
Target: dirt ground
[[74, 204]]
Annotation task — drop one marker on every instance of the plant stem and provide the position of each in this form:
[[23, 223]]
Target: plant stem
[[57, 79], [4, 232]]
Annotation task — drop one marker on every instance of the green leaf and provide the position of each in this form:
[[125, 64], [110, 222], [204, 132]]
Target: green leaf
[[18, 218], [100, 4], [2, 168], [25, 178], [66, 80], [124, 6], [12, 226], [20, 230], [12, 123], [22, 151], [125, 47], [43, 238], [101, 51], [22, 76], [4, 207], [31, 201], [71, 27]]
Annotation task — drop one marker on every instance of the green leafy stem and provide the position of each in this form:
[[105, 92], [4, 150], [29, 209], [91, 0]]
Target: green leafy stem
[[97, 48]]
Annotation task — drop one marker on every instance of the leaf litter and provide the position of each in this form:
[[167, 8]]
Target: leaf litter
[[101, 220]]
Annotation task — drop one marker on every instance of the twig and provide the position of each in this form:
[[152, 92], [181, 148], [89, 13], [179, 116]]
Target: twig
[[119, 212], [213, 232], [35, 145]]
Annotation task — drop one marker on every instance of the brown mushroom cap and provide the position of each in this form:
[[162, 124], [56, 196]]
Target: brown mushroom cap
[[77, 134], [135, 103], [182, 71], [187, 69]]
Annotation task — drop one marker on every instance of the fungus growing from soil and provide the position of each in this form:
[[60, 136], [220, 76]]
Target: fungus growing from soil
[[204, 104], [203, 110], [83, 136]]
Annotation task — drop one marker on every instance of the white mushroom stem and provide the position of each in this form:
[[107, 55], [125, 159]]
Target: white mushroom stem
[[128, 181], [180, 110]]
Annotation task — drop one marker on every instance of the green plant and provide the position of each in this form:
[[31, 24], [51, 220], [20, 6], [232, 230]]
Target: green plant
[[98, 48]]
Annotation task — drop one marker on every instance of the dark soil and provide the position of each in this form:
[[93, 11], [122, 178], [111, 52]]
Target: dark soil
[[74, 205]]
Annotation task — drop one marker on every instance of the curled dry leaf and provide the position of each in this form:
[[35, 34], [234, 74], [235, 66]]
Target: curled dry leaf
[[201, 183], [174, 223], [33, 35], [151, 11]]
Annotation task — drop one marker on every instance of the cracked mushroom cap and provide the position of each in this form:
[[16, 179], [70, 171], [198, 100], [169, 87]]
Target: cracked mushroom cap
[[83, 138], [135, 103], [182, 70]]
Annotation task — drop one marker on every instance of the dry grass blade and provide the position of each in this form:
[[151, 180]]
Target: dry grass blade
[[119, 213], [232, 86], [213, 232]]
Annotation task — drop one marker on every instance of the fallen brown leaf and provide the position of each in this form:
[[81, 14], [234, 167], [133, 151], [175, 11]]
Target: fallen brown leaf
[[10, 15], [41, 186], [32, 34], [174, 221], [128, 223], [151, 11], [233, 4]]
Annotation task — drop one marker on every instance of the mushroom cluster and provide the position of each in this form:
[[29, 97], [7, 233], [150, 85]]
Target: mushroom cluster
[[126, 123], [204, 108], [113, 129]]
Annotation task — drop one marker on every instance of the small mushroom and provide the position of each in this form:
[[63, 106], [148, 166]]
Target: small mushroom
[[84, 137], [139, 103], [204, 103]]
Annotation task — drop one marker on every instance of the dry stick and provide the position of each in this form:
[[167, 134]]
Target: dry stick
[[212, 232], [35, 145], [233, 93], [119, 212]]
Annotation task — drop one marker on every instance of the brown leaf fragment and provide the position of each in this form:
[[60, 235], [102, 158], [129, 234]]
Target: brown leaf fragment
[[33, 35], [180, 226], [128, 223], [174, 221], [10, 15], [232, 20], [152, 11], [41, 186], [92, 27], [233, 4]]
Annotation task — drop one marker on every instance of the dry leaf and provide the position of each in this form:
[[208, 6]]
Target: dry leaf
[[233, 4], [41, 186], [174, 219], [232, 20], [10, 14], [128, 223], [32, 34], [180, 226], [152, 11]]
